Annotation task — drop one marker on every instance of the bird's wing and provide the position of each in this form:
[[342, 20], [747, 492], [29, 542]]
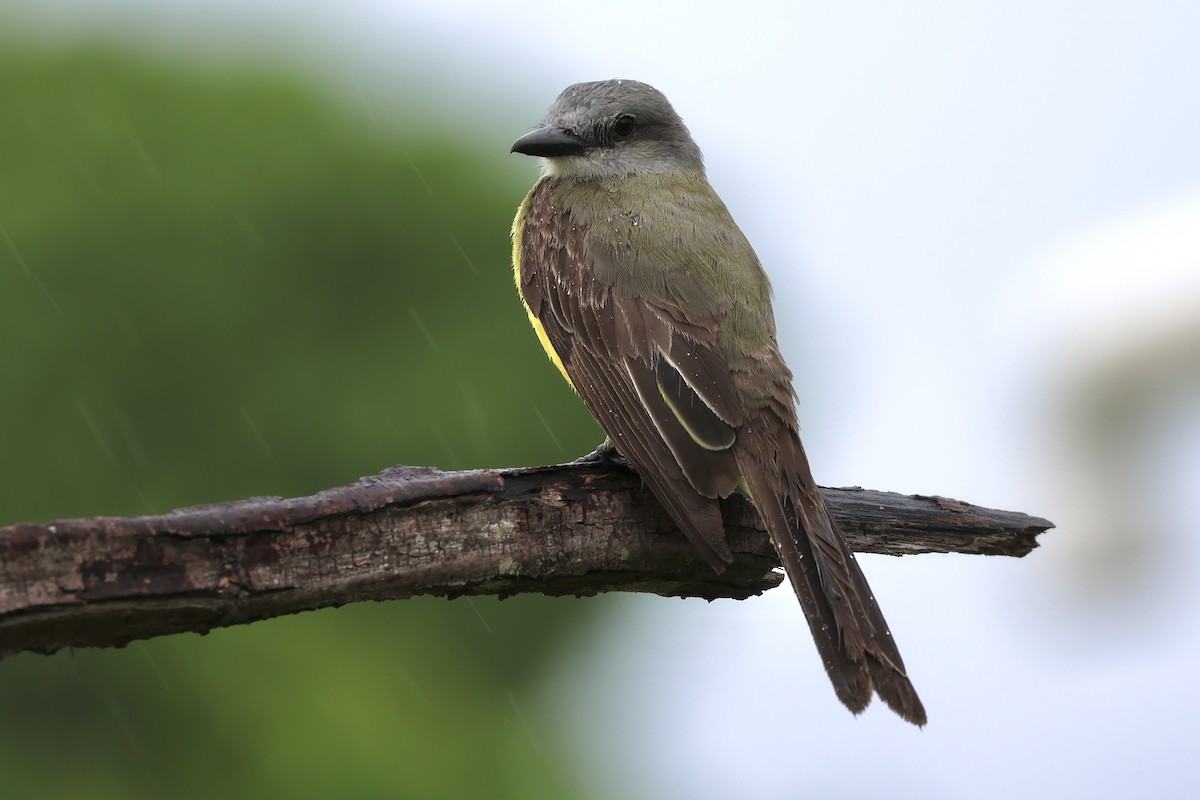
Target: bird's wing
[[651, 377]]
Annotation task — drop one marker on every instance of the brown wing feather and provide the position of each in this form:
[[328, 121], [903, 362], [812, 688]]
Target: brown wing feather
[[610, 348]]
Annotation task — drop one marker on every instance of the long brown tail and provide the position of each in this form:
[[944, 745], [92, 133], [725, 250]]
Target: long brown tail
[[847, 625]]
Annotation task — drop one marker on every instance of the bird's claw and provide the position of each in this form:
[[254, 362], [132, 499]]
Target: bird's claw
[[606, 453]]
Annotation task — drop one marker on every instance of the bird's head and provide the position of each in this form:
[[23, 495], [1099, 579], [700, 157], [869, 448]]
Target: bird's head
[[609, 129]]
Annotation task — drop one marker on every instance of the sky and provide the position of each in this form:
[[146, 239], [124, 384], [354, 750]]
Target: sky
[[982, 222]]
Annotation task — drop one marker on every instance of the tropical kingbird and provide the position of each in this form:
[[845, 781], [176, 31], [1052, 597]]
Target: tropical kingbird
[[650, 301]]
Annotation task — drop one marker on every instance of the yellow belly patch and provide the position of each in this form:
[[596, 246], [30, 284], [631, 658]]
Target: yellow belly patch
[[538, 328]]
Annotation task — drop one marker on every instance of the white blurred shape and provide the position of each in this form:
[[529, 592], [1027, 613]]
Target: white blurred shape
[[1106, 327]]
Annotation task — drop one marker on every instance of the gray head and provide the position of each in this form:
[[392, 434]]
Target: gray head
[[607, 129]]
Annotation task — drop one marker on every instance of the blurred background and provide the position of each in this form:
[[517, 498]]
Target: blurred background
[[253, 248]]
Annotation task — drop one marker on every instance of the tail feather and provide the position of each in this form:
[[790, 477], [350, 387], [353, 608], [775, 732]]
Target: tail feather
[[848, 627]]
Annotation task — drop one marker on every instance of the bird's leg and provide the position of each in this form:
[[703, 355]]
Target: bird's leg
[[605, 453]]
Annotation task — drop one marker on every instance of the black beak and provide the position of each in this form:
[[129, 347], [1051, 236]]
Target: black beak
[[549, 142]]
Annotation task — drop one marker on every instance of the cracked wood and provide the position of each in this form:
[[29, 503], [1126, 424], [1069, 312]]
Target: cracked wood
[[561, 530]]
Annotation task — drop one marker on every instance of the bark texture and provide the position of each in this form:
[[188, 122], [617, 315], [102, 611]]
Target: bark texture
[[573, 529]]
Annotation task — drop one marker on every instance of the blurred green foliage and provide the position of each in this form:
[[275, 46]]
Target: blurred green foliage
[[218, 283]]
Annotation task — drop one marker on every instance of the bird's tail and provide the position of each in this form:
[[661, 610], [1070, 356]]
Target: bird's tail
[[847, 625]]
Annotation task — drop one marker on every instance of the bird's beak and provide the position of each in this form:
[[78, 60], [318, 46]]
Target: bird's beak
[[549, 142]]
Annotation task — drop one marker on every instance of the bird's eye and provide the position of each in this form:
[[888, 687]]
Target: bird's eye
[[624, 125]]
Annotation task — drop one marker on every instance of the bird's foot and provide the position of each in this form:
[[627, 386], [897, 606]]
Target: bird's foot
[[606, 453]]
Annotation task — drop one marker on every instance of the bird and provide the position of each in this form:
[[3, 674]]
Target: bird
[[651, 302]]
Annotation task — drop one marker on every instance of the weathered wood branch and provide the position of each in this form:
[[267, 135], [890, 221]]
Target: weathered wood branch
[[563, 530]]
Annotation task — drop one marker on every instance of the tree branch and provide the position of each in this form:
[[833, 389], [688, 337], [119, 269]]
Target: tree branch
[[562, 530]]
